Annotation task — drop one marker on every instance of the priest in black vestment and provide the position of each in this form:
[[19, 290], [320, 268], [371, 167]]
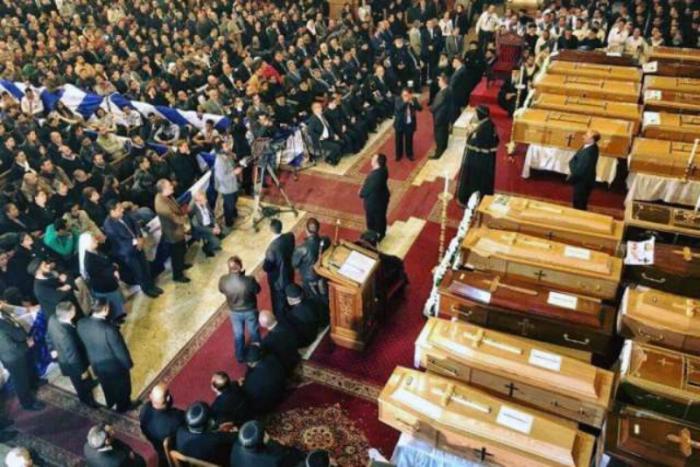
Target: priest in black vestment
[[478, 170]]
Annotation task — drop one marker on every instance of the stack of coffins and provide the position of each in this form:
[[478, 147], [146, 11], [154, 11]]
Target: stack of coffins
[[664, 158]]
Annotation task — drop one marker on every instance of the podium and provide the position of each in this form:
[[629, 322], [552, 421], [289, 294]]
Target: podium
[[351, 272]]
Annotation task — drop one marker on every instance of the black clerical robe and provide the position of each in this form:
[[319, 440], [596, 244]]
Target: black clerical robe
[[478, 170]]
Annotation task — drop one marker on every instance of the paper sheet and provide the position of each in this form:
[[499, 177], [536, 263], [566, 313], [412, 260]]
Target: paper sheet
[[546, 360], [515, 419], [562, 300], [640, 253], [357, 267]]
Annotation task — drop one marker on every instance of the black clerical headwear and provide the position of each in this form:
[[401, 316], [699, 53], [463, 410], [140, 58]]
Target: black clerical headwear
[[251, 434]]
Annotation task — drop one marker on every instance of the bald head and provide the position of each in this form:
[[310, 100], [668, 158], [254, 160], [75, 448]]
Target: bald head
[[267, 319], [159, 396]]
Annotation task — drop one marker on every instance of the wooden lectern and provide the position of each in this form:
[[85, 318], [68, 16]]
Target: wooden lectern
[[351, 272]]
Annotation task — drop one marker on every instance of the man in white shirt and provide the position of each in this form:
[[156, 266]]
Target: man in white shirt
[[486, 26], [618, 36], [31, 103]]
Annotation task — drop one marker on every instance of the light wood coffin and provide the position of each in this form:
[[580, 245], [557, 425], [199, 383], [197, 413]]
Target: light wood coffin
[[591, 107], [661, 380], [551, 221], [664, 158], [622, 91], [664, 218], [671, 101], [516, 368], [660, 318], [566, 131], [674, 127], [674, 55], [593, 70], [479, 427], [541, 261], [670, 83]]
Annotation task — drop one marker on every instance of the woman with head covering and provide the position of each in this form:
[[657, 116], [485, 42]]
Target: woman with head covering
[[478, 171]]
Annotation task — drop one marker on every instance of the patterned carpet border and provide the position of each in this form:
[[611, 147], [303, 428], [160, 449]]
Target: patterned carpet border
[[339, 381], [50, 454]]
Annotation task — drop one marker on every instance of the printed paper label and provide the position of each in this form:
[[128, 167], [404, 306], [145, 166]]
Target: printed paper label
[[562, 300], [578, 253], [651, 118], [546, 360], [652, 95], [651, 67], [515, 419]]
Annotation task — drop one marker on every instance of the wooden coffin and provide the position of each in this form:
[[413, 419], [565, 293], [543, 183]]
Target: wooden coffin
[[661, 380], [664, 218], [594, 70], [593, 56], [592, 107], [551, 221], [645, 439], [517, 369], [660, 318], [671, 102], [566, 131], [676, 270], [674, 127], [670, 83], [674, 55], [541, 261], [595, 88], [477, 426], [681, 70], [664, 158], [528, 310]]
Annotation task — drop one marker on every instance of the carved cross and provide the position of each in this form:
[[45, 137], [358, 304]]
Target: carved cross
[[525, 326], [664, 362], [685, 442], [511, 388], [569, 138], [482, 453], [540, 274]]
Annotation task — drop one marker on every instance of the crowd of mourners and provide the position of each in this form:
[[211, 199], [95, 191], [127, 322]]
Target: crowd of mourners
[[77, 191]]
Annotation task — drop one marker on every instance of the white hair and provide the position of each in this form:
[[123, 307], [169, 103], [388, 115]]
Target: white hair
[[84, 244], [18, 457]]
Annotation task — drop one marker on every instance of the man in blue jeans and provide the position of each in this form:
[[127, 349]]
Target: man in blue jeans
[[241, 297]]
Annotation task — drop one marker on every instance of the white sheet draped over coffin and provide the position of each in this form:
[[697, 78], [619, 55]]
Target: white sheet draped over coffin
[[646, 187], [557, 160], [414, 452]]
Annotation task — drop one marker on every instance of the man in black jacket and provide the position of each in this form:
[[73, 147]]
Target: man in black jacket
[[15, 356], [68, 349], [264, 383], [583, 169], [278, 266], [241, 293], [442, 109], [231, 404], [160, 420], [305, 258], [50, 287], [108, 356], [303, 315], [252, 449], [281, 340], [405, 123], [102, 449], [459, 86], [199, 438], [375, 195]]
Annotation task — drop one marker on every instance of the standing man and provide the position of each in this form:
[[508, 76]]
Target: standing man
[[16, 357], [486, 26], [172, 224], [442, 116], [108, 356], [478, 170], [241, 297], [375, 195], [405, 123], [305, 258], [278, 266], [68, 349], [226, 183], [583, 169]]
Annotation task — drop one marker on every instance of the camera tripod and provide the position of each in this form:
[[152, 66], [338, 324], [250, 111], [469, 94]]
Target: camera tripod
[[260, 212]]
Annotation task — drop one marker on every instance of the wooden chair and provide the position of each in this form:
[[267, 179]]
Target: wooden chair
[[167, 448], [181, 460]]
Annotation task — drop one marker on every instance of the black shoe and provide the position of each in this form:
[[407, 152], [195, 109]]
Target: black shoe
[[151, 293], [36, 406], [182, 279], [92, 404], [157, 289], [209, 254], [186, 266]]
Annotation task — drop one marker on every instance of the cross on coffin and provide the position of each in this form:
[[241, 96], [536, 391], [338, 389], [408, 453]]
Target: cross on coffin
[[540, 274], [482, 453], [525, 326], [685, 442], [511, 388], [569, 139]]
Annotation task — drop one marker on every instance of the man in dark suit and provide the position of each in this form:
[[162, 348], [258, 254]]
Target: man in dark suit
[[127, 242], [108, 356], [278, 266], [102, 449], [172, 225], [583, 169], [281, 340], [200, 439], [459, 86], [305, 258], [303, 315], [442, 116], [15, 356], [324, 138], [68, 349], [160, 420], [252, 449], [264, 383], [375, 195], [405, 123], [231, 404], [204, 224]]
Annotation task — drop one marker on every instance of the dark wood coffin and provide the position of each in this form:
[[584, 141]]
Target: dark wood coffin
[[641, 438], [662, 217], [594, 56], [676, 270], [664, 68], [515, 310]]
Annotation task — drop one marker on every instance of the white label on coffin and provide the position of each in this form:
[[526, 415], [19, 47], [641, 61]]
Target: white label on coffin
[[562, 300], [577, 253], [546, 360], [652, 95], [515, 419], [651, 67], [651, 118]]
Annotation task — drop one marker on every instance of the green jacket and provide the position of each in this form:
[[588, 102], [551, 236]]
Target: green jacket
[[64, 245]]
